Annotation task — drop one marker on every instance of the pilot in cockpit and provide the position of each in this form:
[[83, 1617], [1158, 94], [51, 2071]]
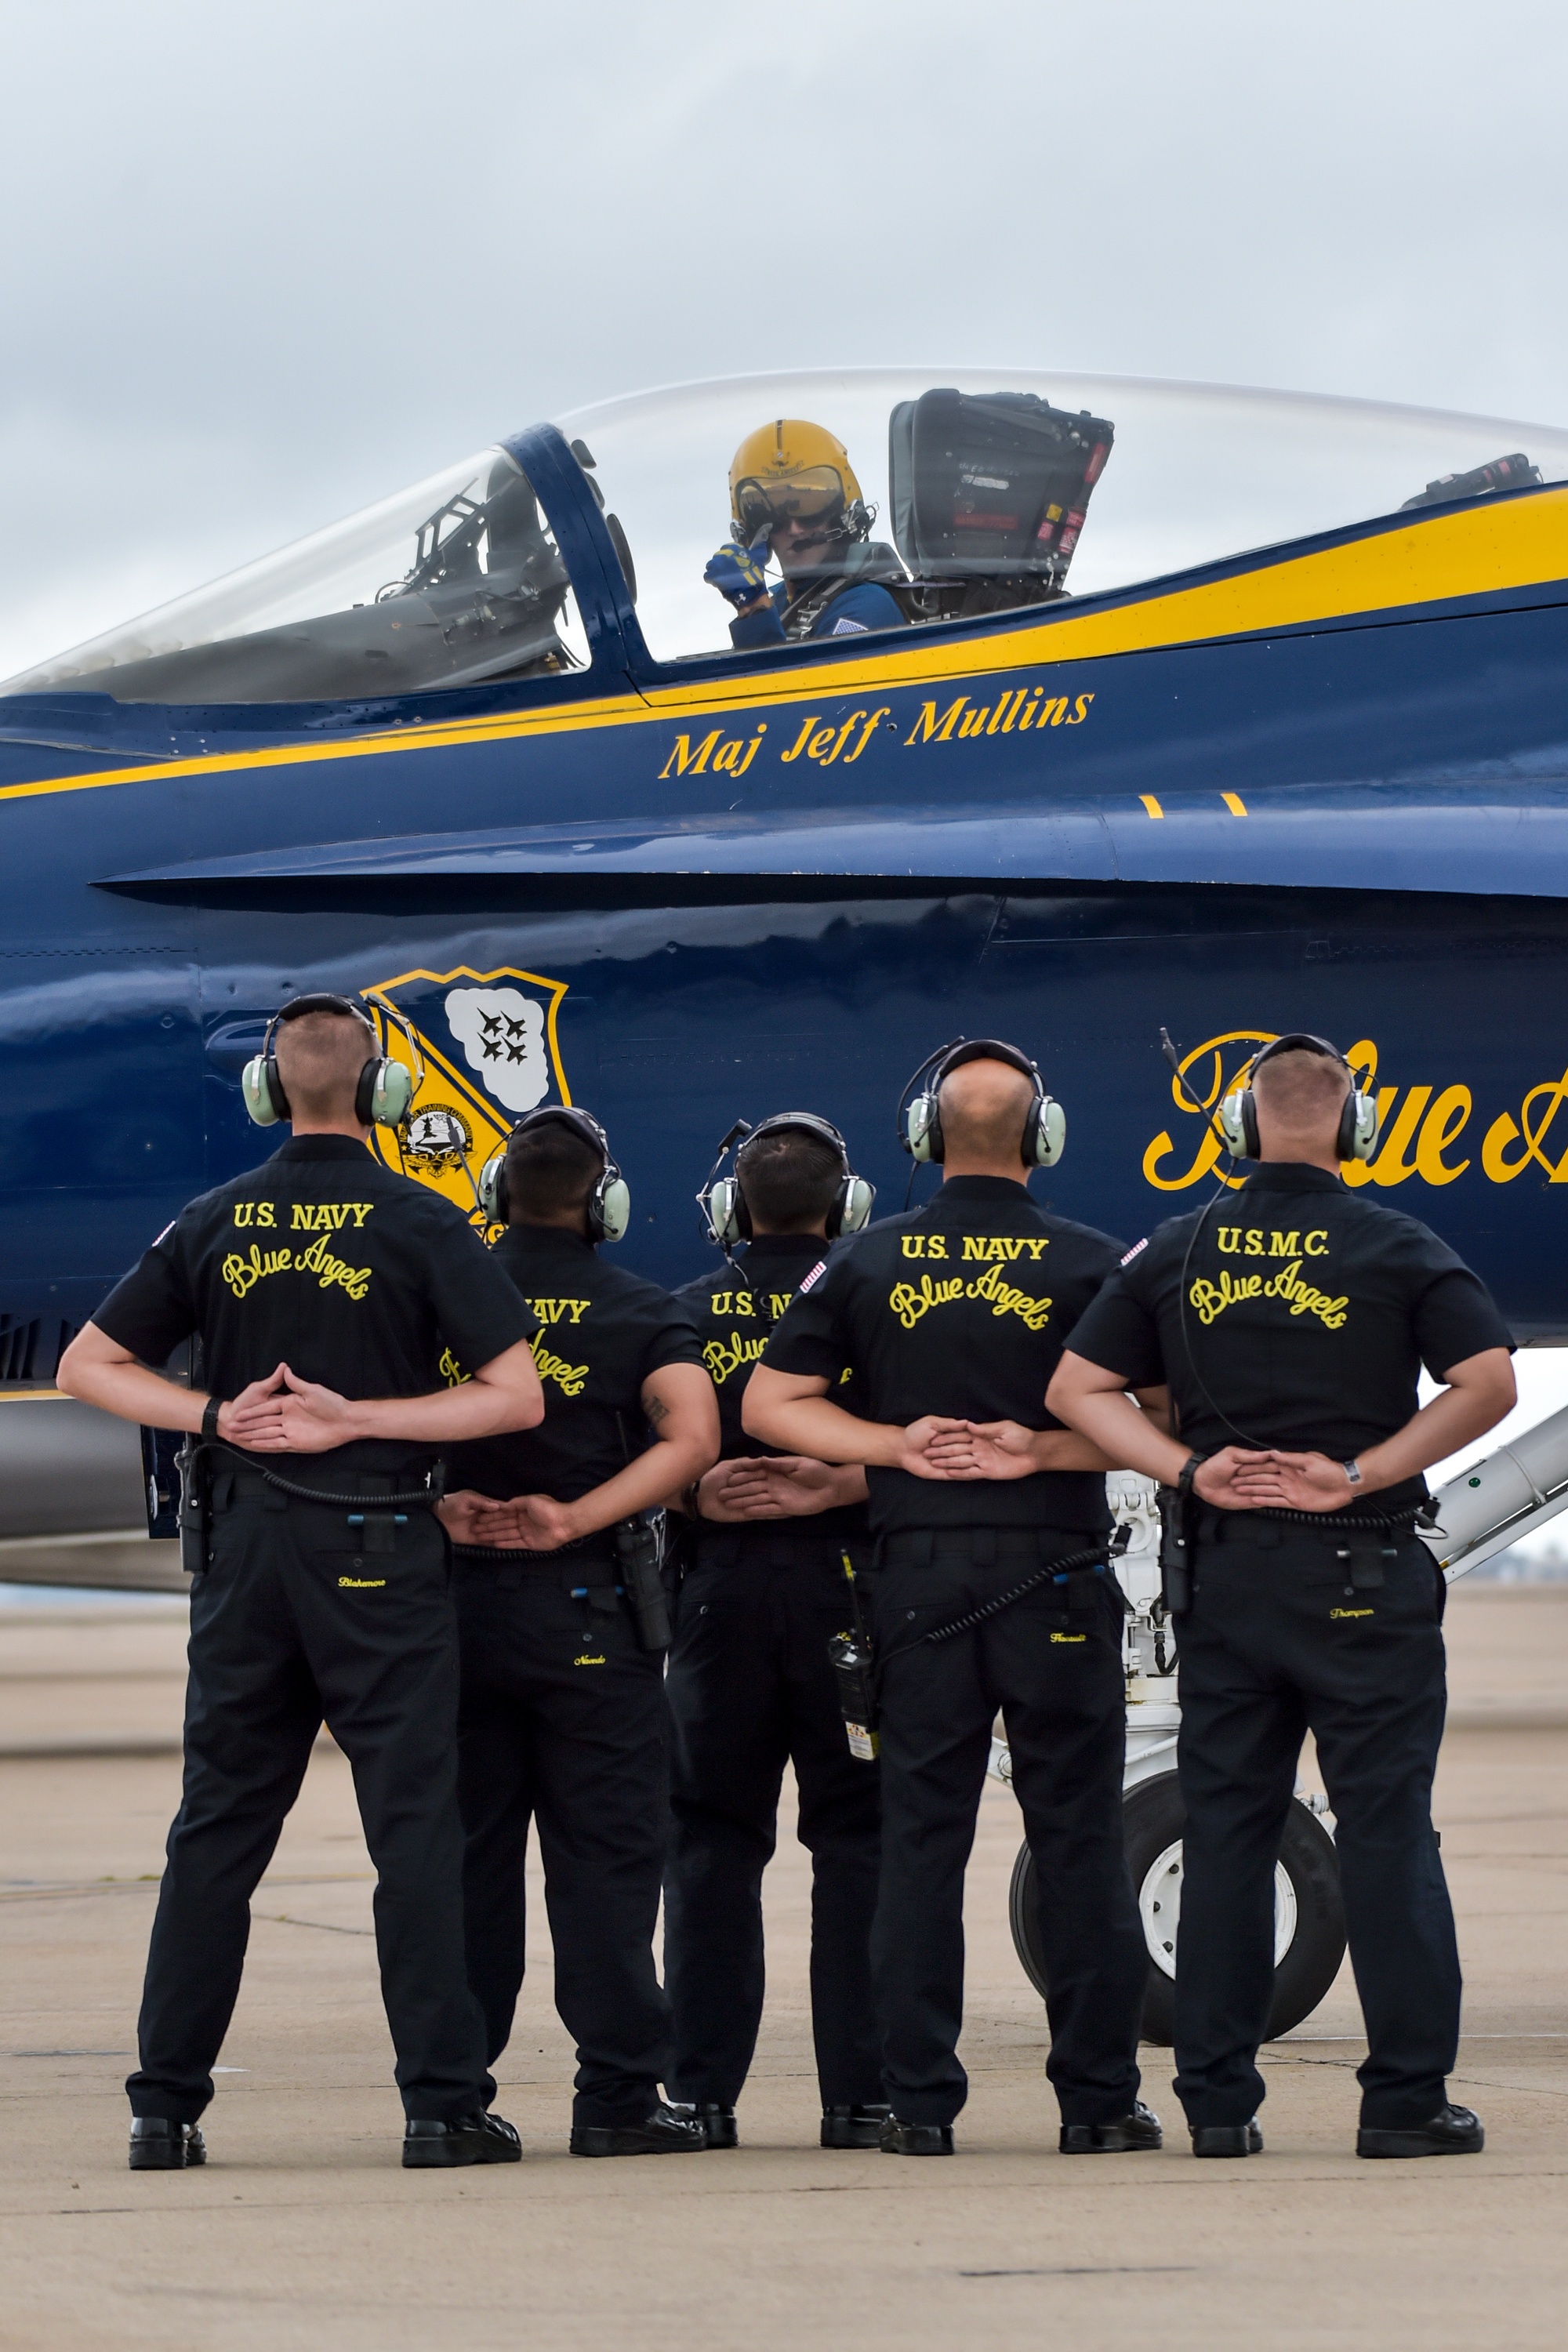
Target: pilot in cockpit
[[794, 496]]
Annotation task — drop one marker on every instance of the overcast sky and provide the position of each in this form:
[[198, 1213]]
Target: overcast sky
[[264, 263]]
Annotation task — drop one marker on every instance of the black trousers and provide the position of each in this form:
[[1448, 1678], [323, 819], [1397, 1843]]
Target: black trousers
[[1054, 1672], [562, 1723], [750, 1689], [289, 1623], [1284, 1637]]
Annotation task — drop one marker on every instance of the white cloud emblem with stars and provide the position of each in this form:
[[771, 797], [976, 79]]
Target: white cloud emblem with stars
[[502, 1033]]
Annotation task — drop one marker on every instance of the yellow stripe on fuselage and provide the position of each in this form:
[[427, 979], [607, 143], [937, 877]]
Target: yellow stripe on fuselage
[[1481, 549]]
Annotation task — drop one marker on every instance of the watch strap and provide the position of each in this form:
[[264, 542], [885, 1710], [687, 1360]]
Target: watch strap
[[215, 1405], [1190, 1468]]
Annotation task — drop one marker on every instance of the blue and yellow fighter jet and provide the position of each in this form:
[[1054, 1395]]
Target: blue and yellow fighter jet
[[586, 811]]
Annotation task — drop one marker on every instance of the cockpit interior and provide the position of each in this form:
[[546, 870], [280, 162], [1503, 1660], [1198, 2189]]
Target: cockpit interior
[[990, 496]]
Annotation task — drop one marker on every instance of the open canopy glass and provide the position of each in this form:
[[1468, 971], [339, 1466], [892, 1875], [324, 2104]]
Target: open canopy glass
[[981, 490]]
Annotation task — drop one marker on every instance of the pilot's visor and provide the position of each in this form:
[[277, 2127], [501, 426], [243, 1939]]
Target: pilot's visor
[[814, 495]]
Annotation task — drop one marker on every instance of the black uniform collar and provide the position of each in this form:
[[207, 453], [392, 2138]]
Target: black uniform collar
[[542, 1241], [1292, 1176], [984, 1188], [771, 1247], [320, 1147]]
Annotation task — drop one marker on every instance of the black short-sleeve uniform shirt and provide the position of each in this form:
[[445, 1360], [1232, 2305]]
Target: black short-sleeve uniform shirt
[[326, 1260], [736, 1308], [601, 1332], [1308, 1312], [961, 1308]]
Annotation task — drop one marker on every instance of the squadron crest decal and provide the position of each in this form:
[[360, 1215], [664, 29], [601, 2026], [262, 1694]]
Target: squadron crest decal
[[488, 1045]]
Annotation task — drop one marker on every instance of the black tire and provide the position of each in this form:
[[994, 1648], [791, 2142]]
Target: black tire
[[1154, 1818]]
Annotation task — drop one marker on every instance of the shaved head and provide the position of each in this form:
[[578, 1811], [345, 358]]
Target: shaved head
[[1301, 1092], [320, 1057], [984, 1107]]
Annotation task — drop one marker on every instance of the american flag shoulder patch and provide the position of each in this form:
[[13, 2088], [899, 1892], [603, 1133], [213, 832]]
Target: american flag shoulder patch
[[819, 1269], [1134, 1250]]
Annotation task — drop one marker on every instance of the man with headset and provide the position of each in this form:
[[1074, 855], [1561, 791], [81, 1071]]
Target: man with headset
[[562, 1620], [1291, 1320], [323, 1289], [992, 1589], [767, 1539]]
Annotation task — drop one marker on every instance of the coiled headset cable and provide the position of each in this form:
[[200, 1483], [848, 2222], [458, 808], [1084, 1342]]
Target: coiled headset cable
[[429, 1493]]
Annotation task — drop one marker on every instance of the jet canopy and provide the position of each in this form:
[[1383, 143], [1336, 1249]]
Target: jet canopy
[[982, 491]]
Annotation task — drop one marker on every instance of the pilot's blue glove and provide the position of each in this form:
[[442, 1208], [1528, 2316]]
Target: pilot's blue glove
[[737, 573]]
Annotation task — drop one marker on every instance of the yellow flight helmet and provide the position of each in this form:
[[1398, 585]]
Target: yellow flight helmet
[[791, 468]]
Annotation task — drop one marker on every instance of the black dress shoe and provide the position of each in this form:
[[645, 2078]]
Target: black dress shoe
[[718, 2122], [860, 2126], [472, 2139], [1452, 2131], [668, 2131], [1228, 2139], [1140, 2129], [159, 2146], [914, 2139]]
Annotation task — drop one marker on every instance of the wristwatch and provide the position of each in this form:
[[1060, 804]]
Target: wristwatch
[[215, 1405], [1190, 1468], [1352, 1472]]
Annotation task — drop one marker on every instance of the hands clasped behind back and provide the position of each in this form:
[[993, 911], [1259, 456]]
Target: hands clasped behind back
[[284, 1414], [1238, 1480], [747, 1487]]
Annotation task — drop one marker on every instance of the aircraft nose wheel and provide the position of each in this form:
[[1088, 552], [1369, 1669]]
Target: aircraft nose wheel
[[1309, 1919]]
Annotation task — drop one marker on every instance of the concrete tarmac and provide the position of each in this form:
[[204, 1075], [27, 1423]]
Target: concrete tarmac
[[303, 2232]]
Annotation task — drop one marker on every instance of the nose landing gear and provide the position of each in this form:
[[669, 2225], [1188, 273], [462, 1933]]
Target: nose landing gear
[[1308, 1921]]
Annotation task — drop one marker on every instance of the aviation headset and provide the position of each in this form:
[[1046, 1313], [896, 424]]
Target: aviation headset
[[722, 1199], [920, 1124], [1357, 1137], [386, 1089], [609, 1204]]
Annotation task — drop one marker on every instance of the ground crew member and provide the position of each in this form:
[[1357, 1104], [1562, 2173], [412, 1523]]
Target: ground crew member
[[1291, 1320], [953, 1317], [794, 495], [323, 1289], [750, 1687], [562, 1717]]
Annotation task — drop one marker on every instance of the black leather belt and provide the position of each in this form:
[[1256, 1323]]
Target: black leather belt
[[768, 1546], [585, 1548], [979, 1547], [234, 1484]]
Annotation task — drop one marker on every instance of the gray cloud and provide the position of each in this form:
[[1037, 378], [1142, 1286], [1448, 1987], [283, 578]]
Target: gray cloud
[[265, 264]]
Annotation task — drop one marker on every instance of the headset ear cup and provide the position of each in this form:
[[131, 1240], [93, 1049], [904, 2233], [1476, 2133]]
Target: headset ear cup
[[1345, 1134], [720, 1210], [611, 1209], [923, 1128], [1051, 1131], [855, 1205], [1250, 1144], [492, 1188], [258, 1093], [1233, 1113], [1364, 1126], [392, 1092]]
